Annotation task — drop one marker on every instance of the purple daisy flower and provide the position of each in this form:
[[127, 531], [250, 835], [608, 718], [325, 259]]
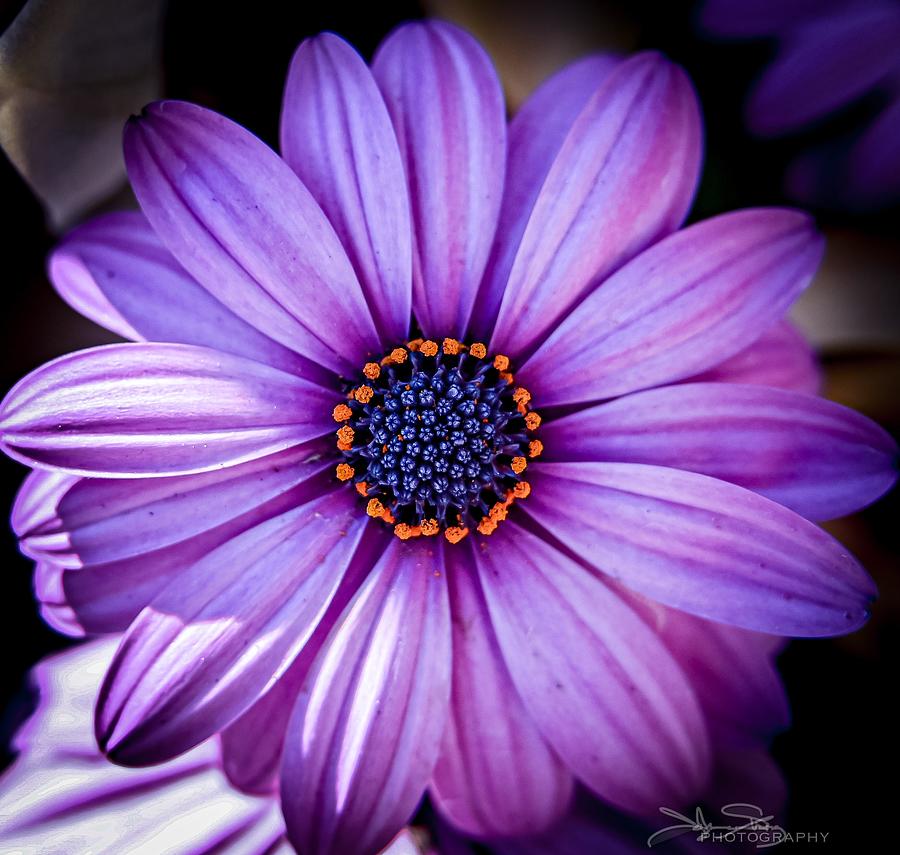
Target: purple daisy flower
[[831, 54], [443, 595]]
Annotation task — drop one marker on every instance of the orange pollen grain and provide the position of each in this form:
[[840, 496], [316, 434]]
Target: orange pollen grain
[[487, 526], [341, 413], [478, 350], [451, 346], [344, 446], [532, 421], [521, 395], [499, 512], [362, 488], [404, 531], [429, 348], [398, 355], [415, 344], [374, 508], [535, 448], [430, 527], [344, 472], [372, 370], [363, 394], [522, 490], [507, 376], [519, 464], [388, 517], [501, 363], [456, 533], [345, 434]]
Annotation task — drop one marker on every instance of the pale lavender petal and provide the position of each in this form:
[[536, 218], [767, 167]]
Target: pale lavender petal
[[49, 592], [336, 134], [36, 502], [597, 681], [780, 357], [446, 104], [209, 645], [816, 457], [798, 87], [367, 728], [623, 178], [536, 134], [240, 221], [157, 409], [681, 307], [116, 271], [703, 545], [496, 775]]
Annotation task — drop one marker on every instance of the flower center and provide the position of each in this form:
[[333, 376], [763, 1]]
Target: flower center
[[437, 438]]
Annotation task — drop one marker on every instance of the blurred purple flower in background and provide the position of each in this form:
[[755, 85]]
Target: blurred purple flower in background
[[831, 53], [498, 649]]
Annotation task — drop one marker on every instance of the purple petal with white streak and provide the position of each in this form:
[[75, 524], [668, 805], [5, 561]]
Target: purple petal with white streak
[[704, 546], [683, 306], [157, 409], [367, 727], [447, 107], [240, 221]]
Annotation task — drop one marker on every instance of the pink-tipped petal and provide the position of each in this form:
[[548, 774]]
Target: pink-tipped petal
[[681, 307], [446, 104], [780, 357], [366, 732], [598, 683], [208, 646], [157, 409], [116, 271], [703, 545], [240, 221], [536, 134], [816, 457], [496, 776], [337, 136], [623, 178]]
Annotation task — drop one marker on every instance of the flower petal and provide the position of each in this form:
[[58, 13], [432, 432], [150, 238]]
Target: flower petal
[[367, 727], [157, 409], [336, 134], [241, 222], [703, 545], [496, 776], [208, 646], [780, 357], [623, 178], [446, 104], [596, 680], [696, 298], [116, 271], [536, 134], [816, 457], [49, 592]]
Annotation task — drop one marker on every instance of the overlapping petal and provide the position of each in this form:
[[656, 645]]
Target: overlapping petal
[[242, 223], [446, 104], [157, 409], [679, 308], [623, 178], [704, 546], [816, 457], [597, 681], [336, 134], [368, 724]]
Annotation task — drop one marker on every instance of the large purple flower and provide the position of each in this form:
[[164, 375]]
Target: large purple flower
[[831, 53], [551, 438]]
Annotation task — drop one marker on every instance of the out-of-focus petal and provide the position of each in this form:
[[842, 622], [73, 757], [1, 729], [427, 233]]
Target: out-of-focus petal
[[760, 17], [496, 776], [367, 728], [873, 170], [446, 104], [337, 136], [240, 221], [623, 178], [597, 681], [209, 645], [157, 409], [816, 457], [703, 545], [681, 307]]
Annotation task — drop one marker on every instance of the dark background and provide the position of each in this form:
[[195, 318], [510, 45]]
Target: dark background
[[841, 754]]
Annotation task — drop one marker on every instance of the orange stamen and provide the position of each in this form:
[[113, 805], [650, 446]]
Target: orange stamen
[[487, 525], [372, 370], [362, 488], [500, 511], [501, 362], [521, 395], [404, 531], [374, 508], [451, 346], [522, 490], [344, 446], [345, 434], [415, 344], [532, 421], [388, 517], [507, 376], [519, 465], [535, 448], [344, 471], [456, 533], [398, 355], [341, 413], [430, 527], [429, 348], [363, 394], [478, 350]]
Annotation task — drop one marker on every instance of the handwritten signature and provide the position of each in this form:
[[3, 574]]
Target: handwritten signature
[[754, 816]]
